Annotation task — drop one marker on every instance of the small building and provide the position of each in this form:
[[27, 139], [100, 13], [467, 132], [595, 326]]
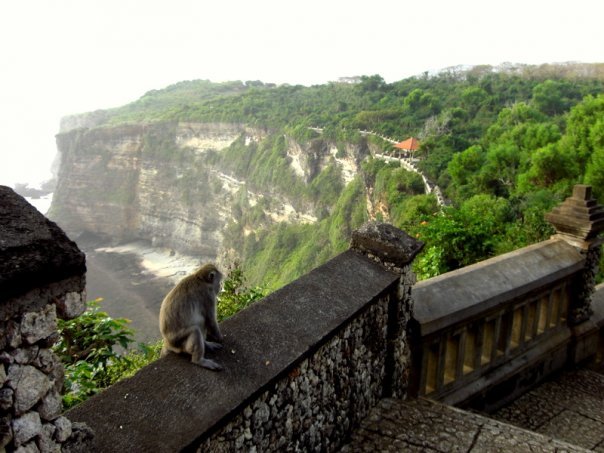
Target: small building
[[407, 147]]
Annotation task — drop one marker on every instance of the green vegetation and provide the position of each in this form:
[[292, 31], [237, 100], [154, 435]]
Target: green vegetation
[[293, 250], [88, 350]]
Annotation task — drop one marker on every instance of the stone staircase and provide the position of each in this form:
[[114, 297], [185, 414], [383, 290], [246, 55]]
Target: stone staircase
[[565, 414], [569, 408]]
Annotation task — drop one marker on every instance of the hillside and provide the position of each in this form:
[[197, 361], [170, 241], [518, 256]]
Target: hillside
[[232, 172]]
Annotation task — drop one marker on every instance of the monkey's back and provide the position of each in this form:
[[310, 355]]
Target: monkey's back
[[181, 308]]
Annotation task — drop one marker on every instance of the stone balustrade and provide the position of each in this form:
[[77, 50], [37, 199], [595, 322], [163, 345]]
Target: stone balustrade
[[485, 333], [479, 325]]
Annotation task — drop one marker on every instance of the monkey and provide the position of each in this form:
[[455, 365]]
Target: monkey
[[188, 316]]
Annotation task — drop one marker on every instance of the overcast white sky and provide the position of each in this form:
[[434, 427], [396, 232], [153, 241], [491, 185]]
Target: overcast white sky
[[59, 57]]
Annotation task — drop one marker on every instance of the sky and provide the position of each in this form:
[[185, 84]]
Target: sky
[[60, 57]]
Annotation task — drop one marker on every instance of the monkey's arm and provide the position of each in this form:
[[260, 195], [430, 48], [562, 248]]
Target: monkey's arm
[[213, 331]]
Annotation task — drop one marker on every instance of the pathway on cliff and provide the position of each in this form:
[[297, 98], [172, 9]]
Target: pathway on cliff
[[408, 163], [563, 413]]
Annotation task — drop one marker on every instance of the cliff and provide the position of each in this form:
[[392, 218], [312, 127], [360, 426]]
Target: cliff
[[181, 185]]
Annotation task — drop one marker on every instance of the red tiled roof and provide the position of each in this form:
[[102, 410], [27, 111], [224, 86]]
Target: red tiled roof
[[411, 144]]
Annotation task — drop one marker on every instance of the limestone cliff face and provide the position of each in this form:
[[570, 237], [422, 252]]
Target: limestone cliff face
[[157, 182], [98, 174]]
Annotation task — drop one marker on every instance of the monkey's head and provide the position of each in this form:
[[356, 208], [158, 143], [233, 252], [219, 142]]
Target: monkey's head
[[211, 276]]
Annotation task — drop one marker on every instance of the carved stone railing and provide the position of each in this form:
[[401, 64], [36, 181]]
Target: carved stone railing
[[484, 333], [472, 324]]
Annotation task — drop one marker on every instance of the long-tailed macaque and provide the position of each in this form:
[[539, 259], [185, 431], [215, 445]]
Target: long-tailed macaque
[[188, 316]]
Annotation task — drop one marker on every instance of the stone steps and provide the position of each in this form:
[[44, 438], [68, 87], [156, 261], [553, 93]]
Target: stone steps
[[427, 426], [569, 408]]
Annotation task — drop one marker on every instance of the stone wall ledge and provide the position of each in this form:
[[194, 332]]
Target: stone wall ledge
[[172, 405], [447, 299]]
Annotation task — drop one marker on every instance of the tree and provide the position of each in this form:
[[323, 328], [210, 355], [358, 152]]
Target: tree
[[550, 167], [464, 169], [578, 137], [594, 173], [459, 237], [554, 97], [473, 99], [501, 166]]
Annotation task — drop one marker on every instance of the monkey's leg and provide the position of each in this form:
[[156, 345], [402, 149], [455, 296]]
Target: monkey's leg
[[213, 330], [164, 351], [195, 345], [167, 348], [212, 346]]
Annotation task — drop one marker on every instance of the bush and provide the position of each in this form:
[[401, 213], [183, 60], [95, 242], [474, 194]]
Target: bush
[[89, 350], [235, 295]]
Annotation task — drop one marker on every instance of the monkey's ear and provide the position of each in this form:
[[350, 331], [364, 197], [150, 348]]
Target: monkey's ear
[[211, 276]]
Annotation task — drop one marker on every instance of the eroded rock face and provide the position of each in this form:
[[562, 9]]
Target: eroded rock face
[[146, 181], [159, 182]]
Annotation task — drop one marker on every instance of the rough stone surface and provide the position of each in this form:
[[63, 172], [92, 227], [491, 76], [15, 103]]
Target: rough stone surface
[[579, 216], [46, 444], [41, 274], [11, 334], [80, 440], [386, 244], [29, 384], [569, 408], [63, 429], [50, 406], [24, 356], [33, 250], [400, 342], [26, 427], [423, 425], [36, 326], [70, 305], [30, 447], [581, 309], [46, 361], [6, 398], [6, 432], [320, 400]]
